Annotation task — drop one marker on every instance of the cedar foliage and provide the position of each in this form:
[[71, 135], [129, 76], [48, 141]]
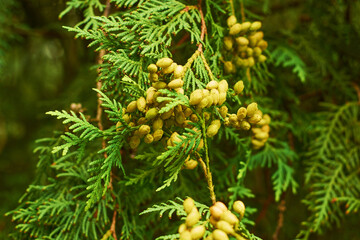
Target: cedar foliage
[[82, 187]]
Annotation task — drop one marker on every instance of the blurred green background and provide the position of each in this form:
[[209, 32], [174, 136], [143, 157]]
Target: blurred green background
[[43, 68]]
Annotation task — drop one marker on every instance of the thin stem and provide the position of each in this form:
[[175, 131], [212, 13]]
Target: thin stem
[[207, 67], [280, 223], [203, 26], [191, 59], [207, 160], [99, 120], [242, 10], [232, 7]]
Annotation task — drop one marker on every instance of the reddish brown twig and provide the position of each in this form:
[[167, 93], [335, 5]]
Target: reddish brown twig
[[99, 119], [280, 223], [203, 26], [268, 200]]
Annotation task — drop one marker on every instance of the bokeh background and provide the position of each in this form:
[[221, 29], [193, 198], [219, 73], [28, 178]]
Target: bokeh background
[[43, 68]]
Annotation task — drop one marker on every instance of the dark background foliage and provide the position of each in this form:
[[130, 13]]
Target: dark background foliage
[[43, 68]]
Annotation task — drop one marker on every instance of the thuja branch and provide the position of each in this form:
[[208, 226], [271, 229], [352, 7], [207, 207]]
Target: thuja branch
[[99, 120], [208, 174], [203, 26]]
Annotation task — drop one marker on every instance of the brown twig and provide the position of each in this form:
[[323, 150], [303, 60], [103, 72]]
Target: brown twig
[[280, 223], [99, 119], [203, 26], [268, 200], [202, 163]]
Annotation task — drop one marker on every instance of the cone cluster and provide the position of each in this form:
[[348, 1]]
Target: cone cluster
[[166, 74], [224, 221], [245, 42], [144, 112], [261, 132], [189, 230], [213, 95], [244, 118]]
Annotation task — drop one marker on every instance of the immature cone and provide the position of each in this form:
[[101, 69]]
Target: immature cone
[[144, 129], [223, 86], [262, 44], [242, 41], [228, 43], [235, 29], [257, 52], [262, 58], [245, 26], [179, 71], [267, 119], [185, 235], [265, 128], [241, 113], [148, 138], [255, 26], [196, 97], [134, 142], [141, 104], [225, 226], [164, 62], [229, 67], [158, 134], [222, 98], [233, 119], [239, 87], [221, 205], [177, 83], [210, 237], [257, 144], [190, 164], [119, 126], [212, 85], [239, 207], [154, 77], [213, 129], [182, 228], [188, 205], [262, 135], [151, 114], [152, 68], [223, 111], [203, 103], [193, 217], [219, 235], [251, 109], [231, 21], [245, 125], [169, 69], [131, 107], [159, 85], [229, 217], [255, 118], [197, 232], [150, 95], [216, 212], [158, 124]]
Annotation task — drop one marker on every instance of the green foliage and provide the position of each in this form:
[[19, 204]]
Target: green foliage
[[286, 57], [333, 169], [91, 182]]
